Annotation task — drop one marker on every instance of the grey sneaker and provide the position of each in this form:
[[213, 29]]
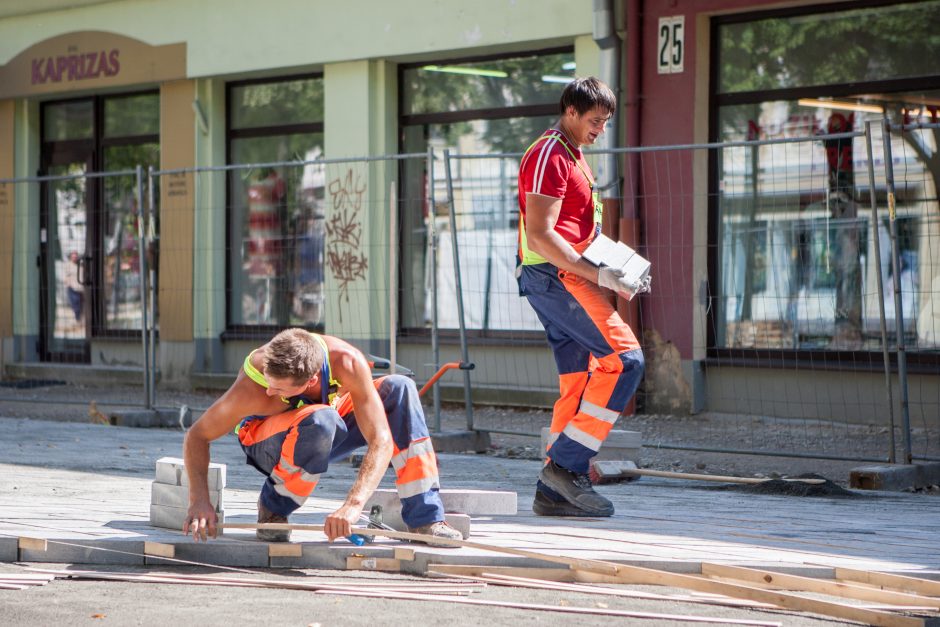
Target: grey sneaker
[[271, 535], [544, 506], [576, 489], [439, 529]]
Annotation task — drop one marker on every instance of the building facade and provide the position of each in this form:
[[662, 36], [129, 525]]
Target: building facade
[[291, 187]]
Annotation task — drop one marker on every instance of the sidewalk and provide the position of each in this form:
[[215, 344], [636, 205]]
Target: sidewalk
[[86, 487]]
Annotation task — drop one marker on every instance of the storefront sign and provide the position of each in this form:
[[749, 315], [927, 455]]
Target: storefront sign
[[89, 59]]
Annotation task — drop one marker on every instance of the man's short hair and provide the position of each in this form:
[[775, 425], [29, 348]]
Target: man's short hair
[[293, 354], [585, 94]]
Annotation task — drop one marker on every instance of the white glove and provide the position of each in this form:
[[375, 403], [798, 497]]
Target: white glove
[[610, 278], [615, 279]]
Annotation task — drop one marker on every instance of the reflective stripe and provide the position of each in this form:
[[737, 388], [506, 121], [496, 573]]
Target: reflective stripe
[[552, 438], [589, 441], [296, 470], [416, 487], [417, 448], [283, 490], [601, 413], [543, 157]]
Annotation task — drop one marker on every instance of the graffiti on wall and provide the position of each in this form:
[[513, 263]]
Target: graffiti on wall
[[345, 256]]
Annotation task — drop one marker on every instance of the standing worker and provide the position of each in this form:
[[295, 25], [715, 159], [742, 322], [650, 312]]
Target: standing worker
[[297, 422], [598, 357]]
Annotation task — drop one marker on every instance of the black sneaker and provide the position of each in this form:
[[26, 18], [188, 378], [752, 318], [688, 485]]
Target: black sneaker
[[271, 535], [544, 506], [576, 489]]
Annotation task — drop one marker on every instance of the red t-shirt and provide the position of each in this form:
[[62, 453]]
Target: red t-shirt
[[548, 169]]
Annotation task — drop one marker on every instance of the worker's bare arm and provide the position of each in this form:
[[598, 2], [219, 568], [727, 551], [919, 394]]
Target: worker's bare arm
[[352, 371], [541, 215], [243, 398]]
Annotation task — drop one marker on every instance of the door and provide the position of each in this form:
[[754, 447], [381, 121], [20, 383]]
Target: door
[[65, 260]]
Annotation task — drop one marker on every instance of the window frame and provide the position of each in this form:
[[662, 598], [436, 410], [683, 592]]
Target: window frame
[[479, 337], [234, 331], [918, 362]]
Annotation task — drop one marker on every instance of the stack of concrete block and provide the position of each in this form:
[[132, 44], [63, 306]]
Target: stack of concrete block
[[621, 446], [459, 506], [169, 493]]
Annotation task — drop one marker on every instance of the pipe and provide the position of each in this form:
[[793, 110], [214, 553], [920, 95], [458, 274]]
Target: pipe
[[605, 36], [632, 106]]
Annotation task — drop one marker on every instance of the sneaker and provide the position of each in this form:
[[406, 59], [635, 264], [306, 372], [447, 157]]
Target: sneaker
[[576, 489], [544, 506], [439, 529], [271, 535]]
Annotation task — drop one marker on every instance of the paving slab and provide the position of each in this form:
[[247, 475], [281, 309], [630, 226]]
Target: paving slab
[[88, 488]]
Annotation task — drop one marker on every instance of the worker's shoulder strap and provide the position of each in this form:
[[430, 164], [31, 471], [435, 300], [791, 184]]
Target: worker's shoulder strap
[[328, 384]]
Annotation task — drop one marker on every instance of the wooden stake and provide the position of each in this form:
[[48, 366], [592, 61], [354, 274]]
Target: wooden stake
[[405, 555], [285, 550], [158, 549], [32, 544]]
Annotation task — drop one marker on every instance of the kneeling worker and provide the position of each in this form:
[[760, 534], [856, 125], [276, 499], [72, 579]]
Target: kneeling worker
[[297, 422]]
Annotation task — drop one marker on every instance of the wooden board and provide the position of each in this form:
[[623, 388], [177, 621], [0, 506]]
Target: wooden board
[[373, 563], [33, 544], [904, 583]]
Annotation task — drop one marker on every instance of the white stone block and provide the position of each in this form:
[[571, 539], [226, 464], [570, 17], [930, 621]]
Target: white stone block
[[178, 495], [172, 471], [174, 517]]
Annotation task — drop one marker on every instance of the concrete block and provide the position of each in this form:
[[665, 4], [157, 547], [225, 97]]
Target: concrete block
[[173, 517], [126, 552], [178, 496], [9, 549], [220, 553], [460, 441], [895, 477], [321, 555], [172, 471], [619, 446]]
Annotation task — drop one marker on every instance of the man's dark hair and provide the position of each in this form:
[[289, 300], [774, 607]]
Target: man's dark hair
[[586, 93], [293, 354]]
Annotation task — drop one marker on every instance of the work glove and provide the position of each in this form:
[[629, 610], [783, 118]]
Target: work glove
[[610, 278], [615, 279]]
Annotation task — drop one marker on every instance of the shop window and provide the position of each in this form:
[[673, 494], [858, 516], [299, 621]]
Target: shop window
[[276, 218], [484, 106], [808, 282]]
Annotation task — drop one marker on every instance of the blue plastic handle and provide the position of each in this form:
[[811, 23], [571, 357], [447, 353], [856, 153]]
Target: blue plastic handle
[[356, 539]]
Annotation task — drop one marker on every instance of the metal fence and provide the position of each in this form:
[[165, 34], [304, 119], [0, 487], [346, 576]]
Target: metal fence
[[839, 263]]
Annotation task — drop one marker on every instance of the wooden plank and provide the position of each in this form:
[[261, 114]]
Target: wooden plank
[[159, 549], [404, 554], [33, 544], [904, 583], [285, 550], [560, 609], [786, 600], [13, 586], [526, 582], [373, 563], [766, 578], [545, 574]]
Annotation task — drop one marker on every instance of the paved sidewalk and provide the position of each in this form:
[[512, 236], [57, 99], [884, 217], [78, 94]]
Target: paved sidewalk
[[86, 488]]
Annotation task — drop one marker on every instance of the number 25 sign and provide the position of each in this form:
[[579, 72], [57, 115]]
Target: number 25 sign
[[671, 44]]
